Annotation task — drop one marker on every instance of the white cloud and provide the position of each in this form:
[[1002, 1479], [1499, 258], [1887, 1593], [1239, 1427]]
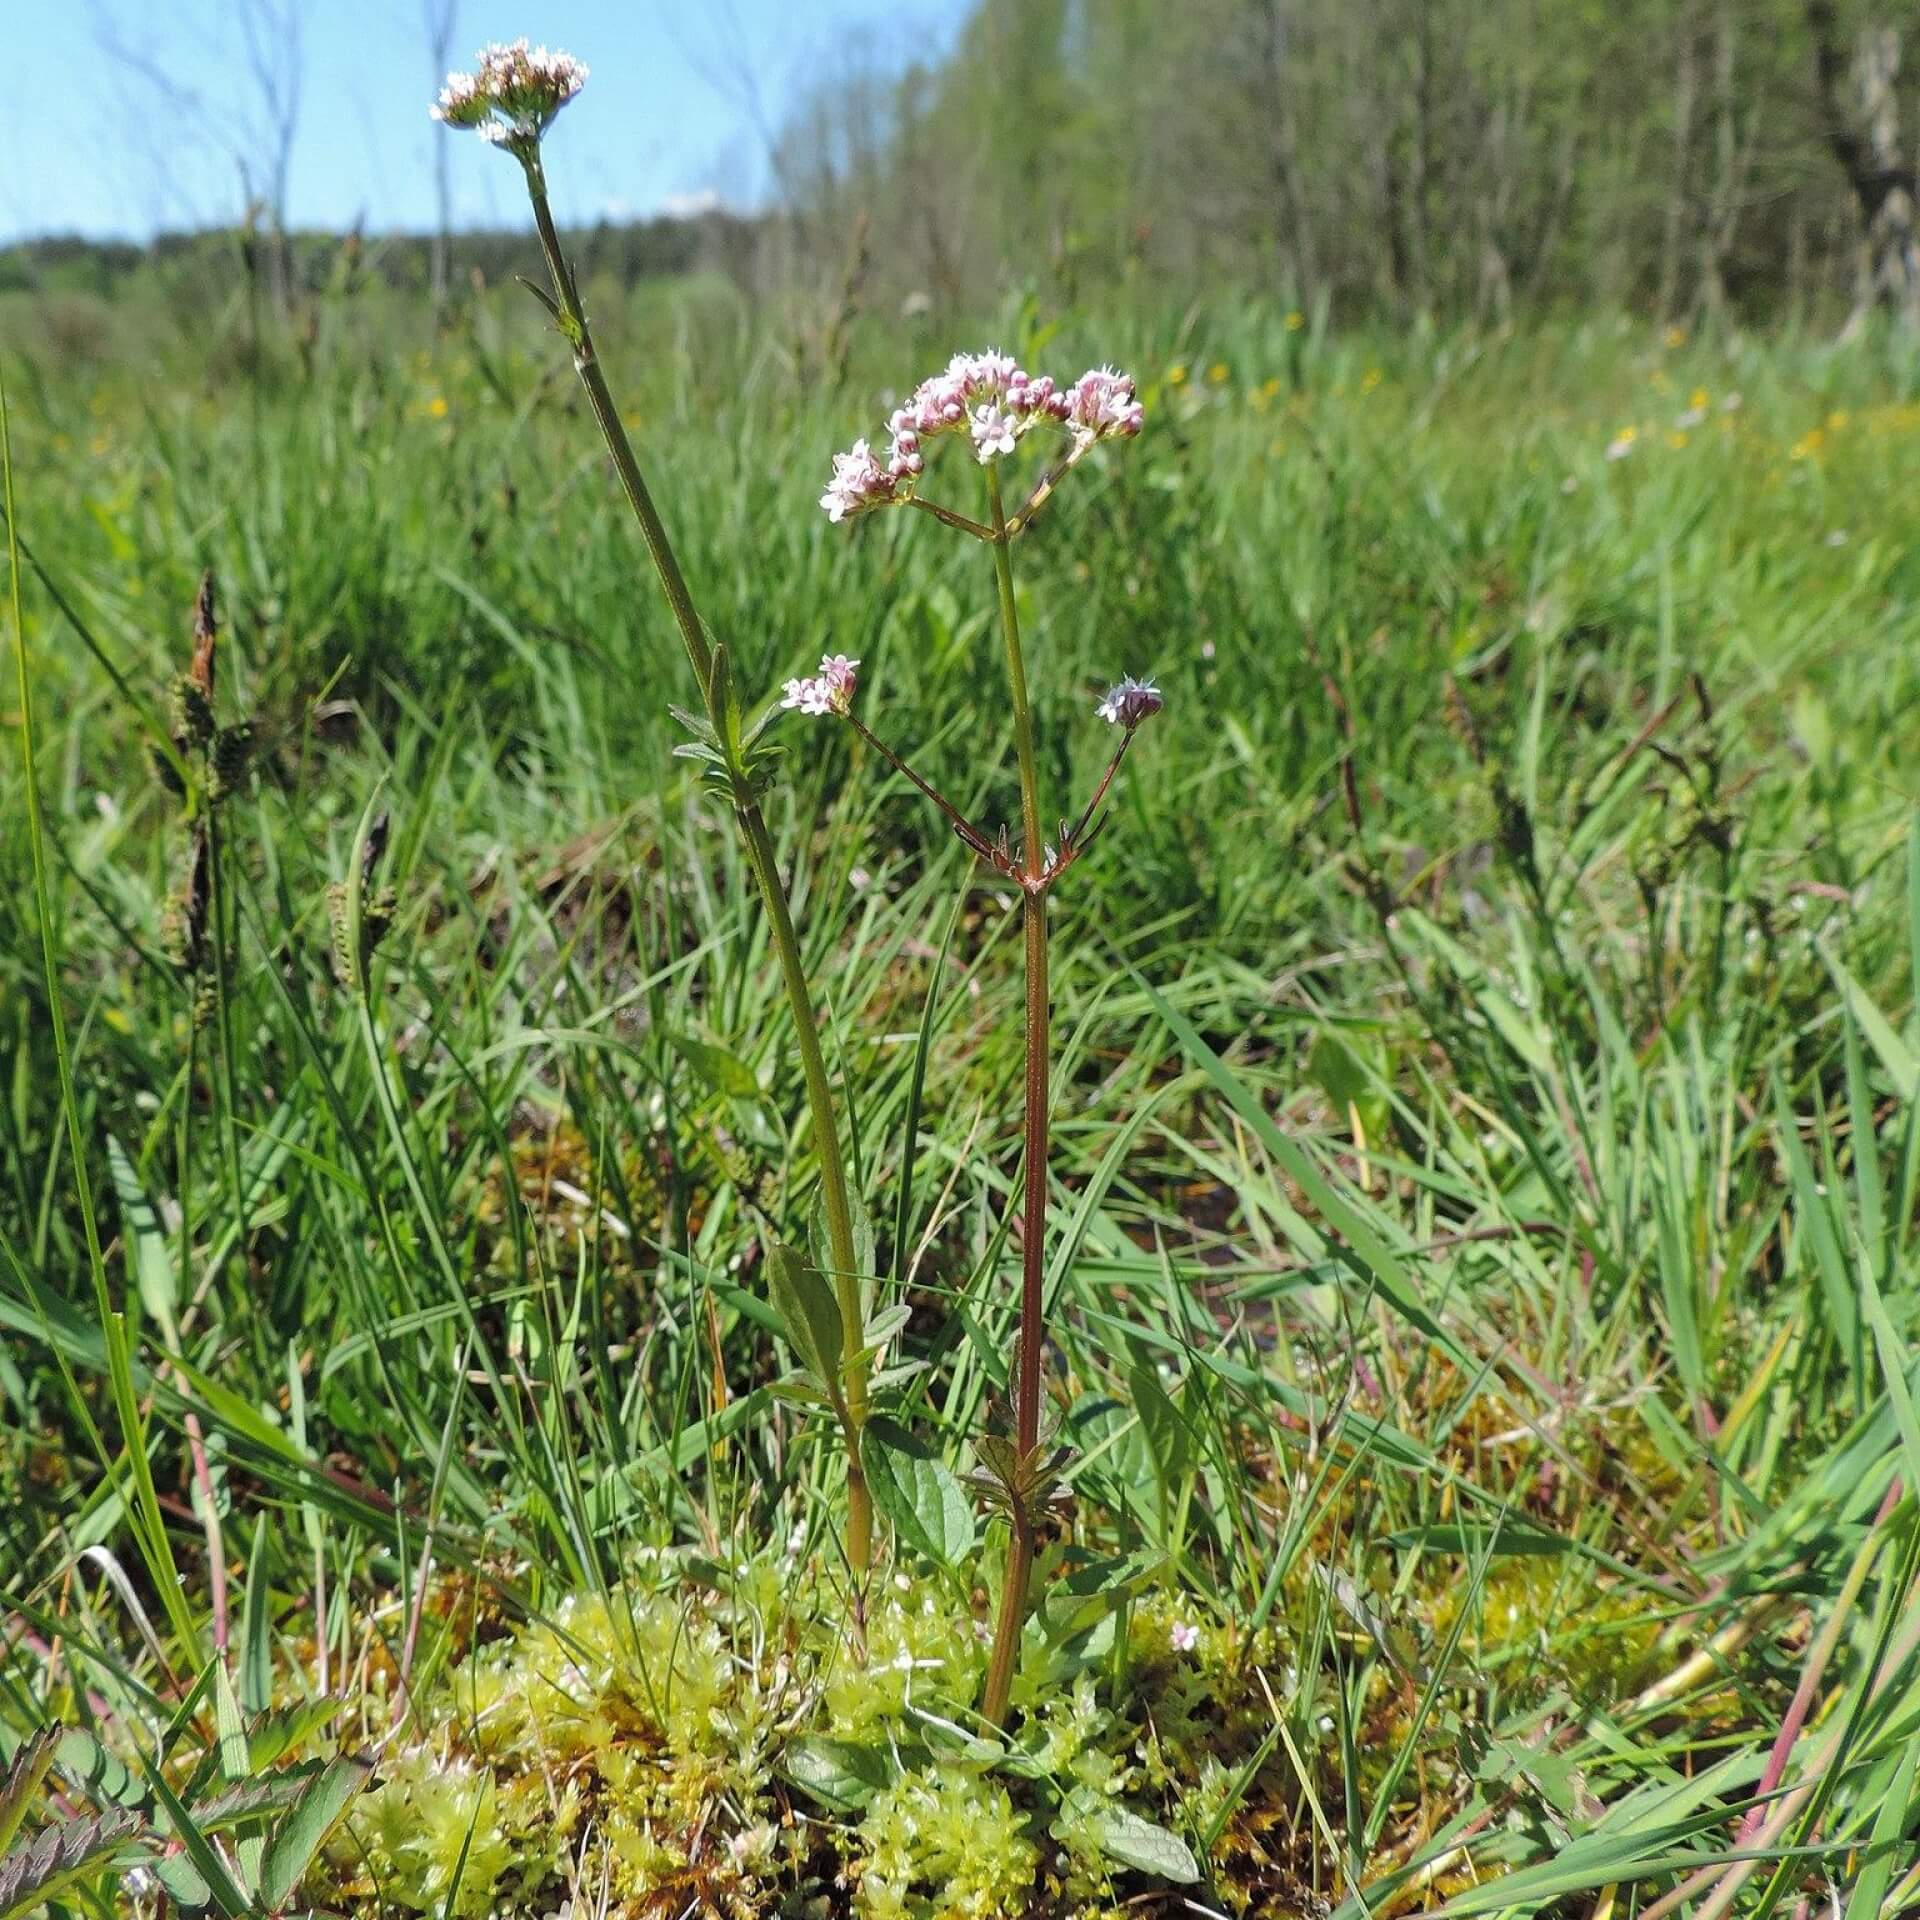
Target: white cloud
[[690, 206]]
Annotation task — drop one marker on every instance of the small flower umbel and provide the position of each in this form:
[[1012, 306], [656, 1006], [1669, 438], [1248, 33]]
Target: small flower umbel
[[828, 691], [995, 404], [512, 95]]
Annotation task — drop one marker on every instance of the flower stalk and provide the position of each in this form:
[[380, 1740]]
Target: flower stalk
[[761, 857], [994, 404], [510, 101], [1033, 1220]]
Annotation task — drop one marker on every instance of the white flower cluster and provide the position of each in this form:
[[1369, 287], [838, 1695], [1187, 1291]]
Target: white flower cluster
[[512, 95], [995, 403], [828, 691]]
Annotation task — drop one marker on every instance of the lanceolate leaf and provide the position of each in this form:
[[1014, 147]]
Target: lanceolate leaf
[[861, 1223], [1163, 1426], [839, 1773], [183, 1882], [724, 1072], [808, 1311], [274, 1734], [1130, 1840], [313, 1816]]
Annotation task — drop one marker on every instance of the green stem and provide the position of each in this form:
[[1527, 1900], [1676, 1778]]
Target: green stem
[[1013, 1592], [573, 323], [1016, 674], [846, 1278], [196, 1438], [222, 990], [753, 828]]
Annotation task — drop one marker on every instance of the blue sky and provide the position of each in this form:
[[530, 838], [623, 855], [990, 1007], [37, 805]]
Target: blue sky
[[90, 144]]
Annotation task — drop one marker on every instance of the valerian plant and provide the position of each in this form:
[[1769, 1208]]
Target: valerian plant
[[511, 99], [993, 404]]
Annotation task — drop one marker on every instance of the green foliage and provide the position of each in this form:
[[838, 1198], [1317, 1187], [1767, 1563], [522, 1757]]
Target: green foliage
[[945, 1843], [1483, 1280], [918, 1493]]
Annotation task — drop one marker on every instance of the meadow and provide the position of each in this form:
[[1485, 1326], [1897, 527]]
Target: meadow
[[1486, 1183]]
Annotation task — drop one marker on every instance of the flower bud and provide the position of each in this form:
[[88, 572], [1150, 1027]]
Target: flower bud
[[1130, 702]]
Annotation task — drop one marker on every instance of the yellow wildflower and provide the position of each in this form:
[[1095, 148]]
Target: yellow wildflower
[[1296, 320]]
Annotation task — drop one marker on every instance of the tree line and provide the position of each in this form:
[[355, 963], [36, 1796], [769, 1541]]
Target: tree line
[[1445, 158], [1449, 157]]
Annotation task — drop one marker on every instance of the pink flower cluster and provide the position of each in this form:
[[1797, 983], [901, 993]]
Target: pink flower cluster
[[1103, 403], [513, 93], [995, 403], [828, 691], [860, 481], [987, 395]]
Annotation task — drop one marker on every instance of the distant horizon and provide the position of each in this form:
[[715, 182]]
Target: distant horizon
[[145, 243]]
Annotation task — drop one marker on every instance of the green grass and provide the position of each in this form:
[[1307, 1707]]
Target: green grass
[[1487, 1186]]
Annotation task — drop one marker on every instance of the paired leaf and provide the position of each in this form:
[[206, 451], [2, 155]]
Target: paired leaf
[[1013, 1482], [809, 1313]]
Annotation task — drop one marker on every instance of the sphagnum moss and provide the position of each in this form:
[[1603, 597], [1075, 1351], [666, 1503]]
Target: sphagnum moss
[[684, 1749]]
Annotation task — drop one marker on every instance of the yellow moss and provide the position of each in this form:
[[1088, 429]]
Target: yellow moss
[[404, 1841], [919, 1647], [945, 1846]]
